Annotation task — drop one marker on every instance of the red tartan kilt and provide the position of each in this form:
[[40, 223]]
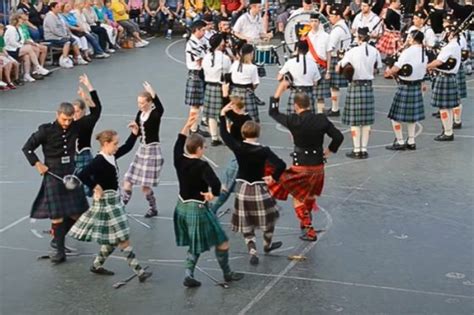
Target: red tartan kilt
[[387, 43]]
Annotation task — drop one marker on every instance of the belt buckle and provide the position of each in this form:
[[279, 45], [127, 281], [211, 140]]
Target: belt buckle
[[65, 160]]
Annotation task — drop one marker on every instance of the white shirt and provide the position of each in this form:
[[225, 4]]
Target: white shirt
[[195, 50], [451, 50], [340, 37], [363, 65], [297, 71], [412, 56], [222, 65], [207, 36], [430, 37], [370, 20], [320, 41], [250, 27], [463, 42], [248, 75], [12, 38]]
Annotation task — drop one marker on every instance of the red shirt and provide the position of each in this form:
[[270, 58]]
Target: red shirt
[[231, 5]]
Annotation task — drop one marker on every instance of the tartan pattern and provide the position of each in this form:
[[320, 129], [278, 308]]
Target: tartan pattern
[[359, 109], [387, 44], [83, 159], [146, 166], [407, 105], [322, 89], [196, 226], [194, 95], [54, 201], [254, 207], [461, 79], [337, 80], [308, 90], [212, 101], [248, 97], [105, 222], [445, 92]]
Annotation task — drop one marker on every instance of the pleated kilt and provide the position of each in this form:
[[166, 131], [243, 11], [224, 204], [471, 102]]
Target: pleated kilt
[[387, 44], [461, 79], [359, 109], [212, 100], [445, 91], [146, 166], [322, 89], [54, 201], [308, 90], [407, 105], [194, 95], [82, 159], [105, 222], [254, 207], [337, 80], [196, 226], [248, 96]]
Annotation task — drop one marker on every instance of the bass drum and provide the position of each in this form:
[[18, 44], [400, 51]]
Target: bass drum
[[298, 26]]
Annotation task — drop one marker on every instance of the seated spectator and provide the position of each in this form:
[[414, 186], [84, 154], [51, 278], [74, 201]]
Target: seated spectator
[[58, 34], [96, 27], [119, 9], [21, 52], [232, 9], [135, 10], [153, 14], [8, 66], [172, 8], [77, 32], [34, 17], [106, 19], [25, 32], [194, 9]]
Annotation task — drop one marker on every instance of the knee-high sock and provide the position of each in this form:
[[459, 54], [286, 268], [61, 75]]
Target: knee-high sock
[[397, 129], [68, 223], [411, 133], [126, 195], [446, 116], [195, 109], [105, 251], [222, 257], [150, 197], [190, 264], [365, 137], [356, 136], [304, 216], [457, 114], [59, 234], [267, 236], [213, 128], [251, 241], [335, 100], [320, 106], [132, 260]]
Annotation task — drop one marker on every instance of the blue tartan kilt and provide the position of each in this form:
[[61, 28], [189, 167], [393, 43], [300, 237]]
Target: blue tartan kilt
[[445, 92], [337, 80], [308, 90], [196, 226], [322, 89], [194, 95], [82, 159], [248, 96], [54, 201], [407, 105], [212, 100], [461, 79], [359, 109]]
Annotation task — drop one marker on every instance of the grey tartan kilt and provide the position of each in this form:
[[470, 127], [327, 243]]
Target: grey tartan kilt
[[194, 95], [407, 105], [54, 201], [308, 90], [248, 96], [105, 222], [359, 109], [323, 89], [445, 92], [254, 207], [146, 166], [212, 100], [337, 80], [461, 79]]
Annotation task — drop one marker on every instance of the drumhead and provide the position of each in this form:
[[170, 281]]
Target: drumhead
[[300, 22]]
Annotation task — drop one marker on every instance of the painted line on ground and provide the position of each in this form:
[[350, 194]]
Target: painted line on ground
[[9, 226], [167, 52]]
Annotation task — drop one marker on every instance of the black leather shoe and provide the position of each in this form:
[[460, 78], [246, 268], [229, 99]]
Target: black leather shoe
[[58, 257], [253, 260], [364, 155], [145, 275], [395, 146], [457, 125], [354, 155], [151, 213], [443, 137], [215, 143], [273, 246], [331, 113], [101, 271], [191, 282], [55, 246], [411, 147], [233, 276], [203, 133]]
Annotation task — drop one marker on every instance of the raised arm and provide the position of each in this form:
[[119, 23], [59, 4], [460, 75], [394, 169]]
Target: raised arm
[[178, 150], [274, 112], [156, 99], [228, 139]]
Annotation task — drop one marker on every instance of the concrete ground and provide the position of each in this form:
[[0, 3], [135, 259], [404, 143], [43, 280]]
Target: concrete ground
[[398, 227]]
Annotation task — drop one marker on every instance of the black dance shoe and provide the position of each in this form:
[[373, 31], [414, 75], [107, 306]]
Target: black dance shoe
[[216, 143], [354, 155], [273, 246], [233, 276], [395, 146], [331, 113], [253, 260], [151, 213], [411, 147], [101, 271], [191, 282], [364, 155], [144, 275], [457, 125], [443, 137]]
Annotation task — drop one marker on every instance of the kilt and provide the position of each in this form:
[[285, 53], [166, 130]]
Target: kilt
[[308, 90], [194, 95], [82, 159], [337, 80], [387, 44], [248, 97], [105, 222], [196, 226], [407, 105], [445, 92], [359, 109], [54, 201], [254, 207], [322, 90], [212, 100], [146, 166], [461, 79]]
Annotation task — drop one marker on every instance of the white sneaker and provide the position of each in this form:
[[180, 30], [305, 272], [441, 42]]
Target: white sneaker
[[2, 84], [41, 70], [27, 78], [81, 61], [145, 42], [65, 62], [110, 51], [140, 44]]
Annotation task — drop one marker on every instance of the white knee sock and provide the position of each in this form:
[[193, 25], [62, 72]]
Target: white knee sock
[[411, 133], [397, 129], [365, 137], [335, 100], [457, 114], [195, 109], [213, 128], [447, 121], [356, 134]]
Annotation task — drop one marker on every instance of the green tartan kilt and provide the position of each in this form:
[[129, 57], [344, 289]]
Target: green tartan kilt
[[461, 78], [105, 222], [196, 226]]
